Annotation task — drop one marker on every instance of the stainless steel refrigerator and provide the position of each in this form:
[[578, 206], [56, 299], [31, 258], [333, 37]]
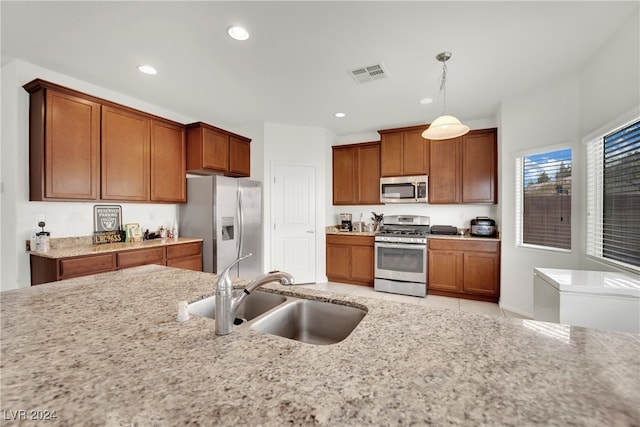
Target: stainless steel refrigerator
[[227, 214]]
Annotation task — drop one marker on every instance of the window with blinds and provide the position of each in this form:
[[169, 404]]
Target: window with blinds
[[543, 199], [613, 196]]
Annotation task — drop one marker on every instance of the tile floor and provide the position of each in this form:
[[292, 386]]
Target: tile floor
[[430, 300]]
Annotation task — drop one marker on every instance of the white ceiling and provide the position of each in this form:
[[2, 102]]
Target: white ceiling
[[294, 67]]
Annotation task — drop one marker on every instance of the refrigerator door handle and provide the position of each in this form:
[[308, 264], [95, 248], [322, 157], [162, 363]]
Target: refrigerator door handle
[[240, 223]]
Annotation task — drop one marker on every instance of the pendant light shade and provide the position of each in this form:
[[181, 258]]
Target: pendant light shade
[[445, 126]]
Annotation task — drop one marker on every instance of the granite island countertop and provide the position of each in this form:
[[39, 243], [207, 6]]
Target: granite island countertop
[[107, 350]]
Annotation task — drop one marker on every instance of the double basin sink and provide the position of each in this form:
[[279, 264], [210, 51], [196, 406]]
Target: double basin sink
[[305, 320]]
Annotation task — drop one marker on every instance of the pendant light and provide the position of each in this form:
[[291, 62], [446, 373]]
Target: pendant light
[[445, 126]]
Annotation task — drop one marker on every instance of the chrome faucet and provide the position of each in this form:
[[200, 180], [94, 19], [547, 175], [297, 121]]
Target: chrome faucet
[[227, 306]]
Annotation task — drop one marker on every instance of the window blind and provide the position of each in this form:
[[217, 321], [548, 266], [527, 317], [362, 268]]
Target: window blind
[[621, 192], [613, 196]]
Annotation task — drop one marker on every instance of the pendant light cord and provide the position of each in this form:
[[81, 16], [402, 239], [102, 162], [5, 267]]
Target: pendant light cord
[[443, 87]]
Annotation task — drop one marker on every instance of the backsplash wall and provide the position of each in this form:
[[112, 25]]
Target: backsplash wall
[[456, 215]]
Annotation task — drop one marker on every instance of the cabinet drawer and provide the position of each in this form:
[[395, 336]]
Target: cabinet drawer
[[140, 257], [337, 239], [82, 266], [463, 245], [184, 250], [188, 263]]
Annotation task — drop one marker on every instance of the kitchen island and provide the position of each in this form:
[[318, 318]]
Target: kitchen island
[[107, 350]]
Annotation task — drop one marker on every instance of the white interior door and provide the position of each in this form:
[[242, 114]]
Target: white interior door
[[294, 221]]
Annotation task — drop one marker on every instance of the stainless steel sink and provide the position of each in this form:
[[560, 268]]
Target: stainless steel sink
[[310, 321], [254, 305]]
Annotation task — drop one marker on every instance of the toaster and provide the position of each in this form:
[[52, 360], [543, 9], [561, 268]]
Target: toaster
[[483, 226]]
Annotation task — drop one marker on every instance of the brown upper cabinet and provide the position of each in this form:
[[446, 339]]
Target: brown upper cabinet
[[85, 148], [211, 150], [404, 152], [125, 155], [356, 174], [464, 169], [168, 151], [64, 145]]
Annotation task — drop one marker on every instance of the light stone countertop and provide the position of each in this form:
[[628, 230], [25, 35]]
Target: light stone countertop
[[83, 247], [106, 350]]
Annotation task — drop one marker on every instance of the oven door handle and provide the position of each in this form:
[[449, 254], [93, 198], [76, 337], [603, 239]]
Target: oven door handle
[[400, 245]]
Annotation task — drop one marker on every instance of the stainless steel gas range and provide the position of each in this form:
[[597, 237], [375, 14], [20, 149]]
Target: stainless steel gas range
[[401, 255]]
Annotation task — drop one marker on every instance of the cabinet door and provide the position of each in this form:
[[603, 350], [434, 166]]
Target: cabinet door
[[445, 270], [71, 149], [168, 162], [344, 175], [415, 159], [481, 273], [125, 155], [362, 263], [239, 157], [215, 150], [368, 175], [479, 167], [338, 261], [444, 177], [391, 154]]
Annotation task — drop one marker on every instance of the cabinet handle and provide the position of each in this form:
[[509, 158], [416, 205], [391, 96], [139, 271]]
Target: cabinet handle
[[310, 231]]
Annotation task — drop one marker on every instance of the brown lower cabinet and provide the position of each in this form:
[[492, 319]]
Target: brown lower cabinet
[[187, 256], [464, 269], [350, 259], [182, 255]]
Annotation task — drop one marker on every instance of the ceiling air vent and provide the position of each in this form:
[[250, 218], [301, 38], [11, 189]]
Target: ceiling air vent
[[368, 73]]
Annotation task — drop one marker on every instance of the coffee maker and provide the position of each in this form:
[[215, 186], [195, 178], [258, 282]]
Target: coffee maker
[[345, 222]]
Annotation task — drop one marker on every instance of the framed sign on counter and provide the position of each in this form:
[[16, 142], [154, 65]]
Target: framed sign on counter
[[107, 224], [107, 218]]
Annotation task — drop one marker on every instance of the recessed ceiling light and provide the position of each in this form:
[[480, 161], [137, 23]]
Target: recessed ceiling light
[[238, 33], [340, 115], [147, 69], [425, 101]]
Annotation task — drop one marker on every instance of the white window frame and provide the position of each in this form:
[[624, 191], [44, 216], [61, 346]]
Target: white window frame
[[594, 148], [519, 195]]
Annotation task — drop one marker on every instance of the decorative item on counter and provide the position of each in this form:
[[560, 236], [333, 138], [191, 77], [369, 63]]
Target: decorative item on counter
[[151, 235], [107, 218], [102, 237], [174, 231], [377, 220], [42, 239], [133, 232], [163, 233], [107, 224], [345, 222]]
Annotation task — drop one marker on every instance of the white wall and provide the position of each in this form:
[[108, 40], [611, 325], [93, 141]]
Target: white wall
[[298, 145], [563, 111], [64, 219], [546, 117], [610, 80]]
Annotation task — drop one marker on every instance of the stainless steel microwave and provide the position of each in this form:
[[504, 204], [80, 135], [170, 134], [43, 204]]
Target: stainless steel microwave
[[404, 189]]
